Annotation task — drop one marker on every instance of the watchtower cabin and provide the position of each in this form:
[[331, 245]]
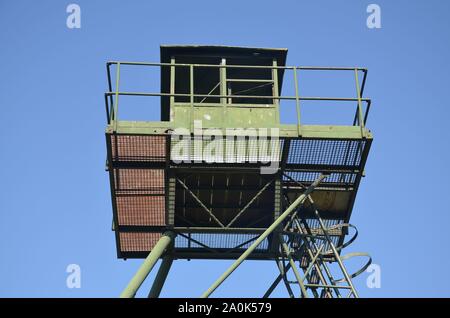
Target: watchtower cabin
[[220, 166]]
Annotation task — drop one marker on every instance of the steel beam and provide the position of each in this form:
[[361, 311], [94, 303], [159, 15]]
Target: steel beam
[[309, 242], [263, 236], [333, 248], [147, 266], [283, 272], [200, 203], [276, 282], [250, 203], [312, 246], [161, 276], [304, 294]]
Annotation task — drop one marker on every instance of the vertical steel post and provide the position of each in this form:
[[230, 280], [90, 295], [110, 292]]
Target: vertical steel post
[[313, 261], [172, 87], [223, 90], [294, 268], [116, 105], [276, 282], [275, 92], [146, 267], [358, 95], [191, 93], [297, 102], [283, 271], [263, 236], [161, 276]]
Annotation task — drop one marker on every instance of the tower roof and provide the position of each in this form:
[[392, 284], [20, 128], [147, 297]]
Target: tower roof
[[222, 51], [209, 54]]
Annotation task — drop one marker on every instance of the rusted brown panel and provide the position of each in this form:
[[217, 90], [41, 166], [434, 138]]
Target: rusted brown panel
[[139, 195], [138, 241], [141, 210], [138, 148], [139, 181]]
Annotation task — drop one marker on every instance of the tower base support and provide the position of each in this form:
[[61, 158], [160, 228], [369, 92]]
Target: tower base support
[[161, 276], [146, 267]]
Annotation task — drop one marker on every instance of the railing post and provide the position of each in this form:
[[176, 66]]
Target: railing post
[[275, 89], [191, 93], [297, 102], [172, 85], [358, 95], [116, 105], [110, 97], [223, 90]]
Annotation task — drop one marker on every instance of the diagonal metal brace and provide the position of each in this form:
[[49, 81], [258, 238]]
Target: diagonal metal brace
[[276, 282], [200, 203], [304, 294], [300, 200], [333, 248], [250, 203]]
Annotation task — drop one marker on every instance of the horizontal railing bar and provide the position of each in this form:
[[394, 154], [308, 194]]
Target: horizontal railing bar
[[341, 99], [326, 286], [187, 229], [308, 68], [249, 80]]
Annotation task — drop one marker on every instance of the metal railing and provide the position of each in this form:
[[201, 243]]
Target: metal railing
[[112, 96]]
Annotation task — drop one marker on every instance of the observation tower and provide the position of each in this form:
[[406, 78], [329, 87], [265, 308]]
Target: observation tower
[[220, 176]]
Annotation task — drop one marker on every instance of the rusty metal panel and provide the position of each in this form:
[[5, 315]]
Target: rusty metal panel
[[138, 241], [138, 147], [140, 197], [141, 210], [140, 181]]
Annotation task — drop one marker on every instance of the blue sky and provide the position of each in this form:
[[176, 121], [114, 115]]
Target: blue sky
[[55, 206]]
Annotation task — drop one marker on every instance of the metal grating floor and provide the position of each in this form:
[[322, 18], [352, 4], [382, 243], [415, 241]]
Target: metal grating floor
[[139, 196], [227, 241], [138, 148], [345, 153]]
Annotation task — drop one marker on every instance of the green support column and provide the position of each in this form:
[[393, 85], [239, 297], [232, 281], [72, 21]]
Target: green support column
[[304, 293], [263, 236], [161, 276], [146, 267]]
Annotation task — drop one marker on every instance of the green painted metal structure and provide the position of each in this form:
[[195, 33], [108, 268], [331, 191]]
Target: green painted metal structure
[[250, 195]]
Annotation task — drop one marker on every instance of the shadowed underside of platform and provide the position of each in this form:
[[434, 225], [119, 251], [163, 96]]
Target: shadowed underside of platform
[[153, 191]]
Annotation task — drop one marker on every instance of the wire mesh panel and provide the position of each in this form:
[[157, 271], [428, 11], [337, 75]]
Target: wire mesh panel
[[138, 148], [138, 241], [228, 241], [345, 179], [140, 197], [230, 149], [141, 210], [326, 152]]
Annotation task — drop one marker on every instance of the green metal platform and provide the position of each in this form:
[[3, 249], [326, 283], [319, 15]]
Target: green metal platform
[[217, 209]]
